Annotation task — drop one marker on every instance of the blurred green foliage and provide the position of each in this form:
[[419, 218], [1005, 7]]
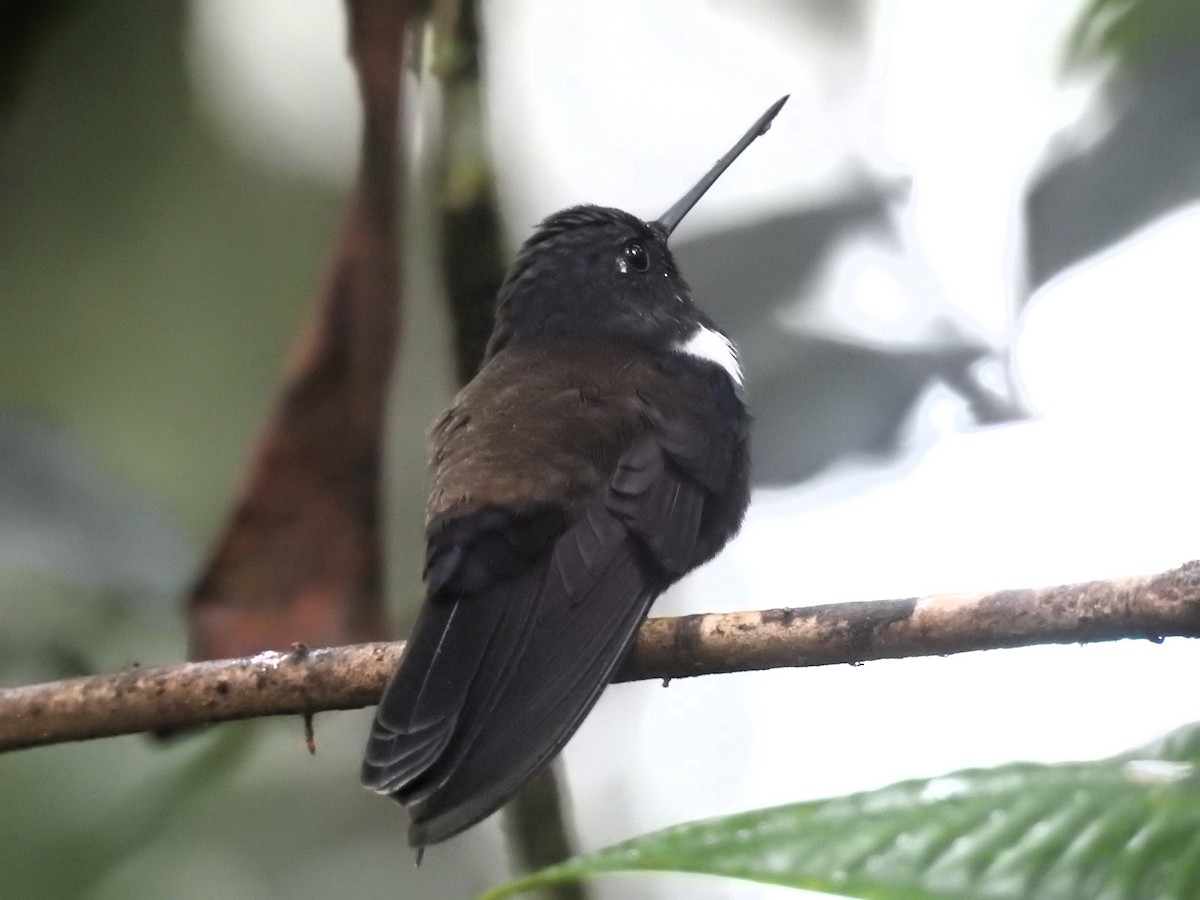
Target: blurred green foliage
[[150, 279], [151, 282], [1132, 33]]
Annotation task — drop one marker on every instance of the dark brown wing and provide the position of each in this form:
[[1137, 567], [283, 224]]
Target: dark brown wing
[[533, 605]]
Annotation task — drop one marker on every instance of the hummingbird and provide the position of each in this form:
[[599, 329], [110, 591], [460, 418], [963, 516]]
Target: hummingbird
[[599, 455]]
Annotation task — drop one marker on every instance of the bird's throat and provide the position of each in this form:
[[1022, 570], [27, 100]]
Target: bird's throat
[[714, 347]]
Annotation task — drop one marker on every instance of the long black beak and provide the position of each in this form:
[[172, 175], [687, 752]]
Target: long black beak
[[672, 217]]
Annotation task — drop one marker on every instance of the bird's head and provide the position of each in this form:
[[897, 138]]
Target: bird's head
[[592, 271]]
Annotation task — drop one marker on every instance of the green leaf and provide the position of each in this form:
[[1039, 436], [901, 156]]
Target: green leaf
[[1126, 827]]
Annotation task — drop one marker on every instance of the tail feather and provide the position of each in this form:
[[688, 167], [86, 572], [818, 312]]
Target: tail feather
[[578, 638], [501, 670]]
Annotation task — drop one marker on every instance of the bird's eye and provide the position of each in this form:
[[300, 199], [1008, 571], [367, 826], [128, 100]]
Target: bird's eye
[[633, 257]]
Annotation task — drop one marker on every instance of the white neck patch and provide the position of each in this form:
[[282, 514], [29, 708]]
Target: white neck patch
[[714, 347]]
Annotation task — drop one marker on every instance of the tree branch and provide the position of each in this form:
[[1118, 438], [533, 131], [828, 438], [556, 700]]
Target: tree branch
[[308, 681]]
